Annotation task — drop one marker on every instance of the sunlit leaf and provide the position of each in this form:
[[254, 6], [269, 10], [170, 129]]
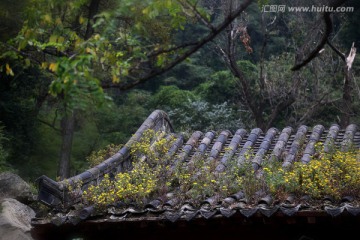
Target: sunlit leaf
[[60, 39], [58, 21], [145, 11], [160, 60], [115, 79], [44, 65], [53, 67], [22, 44], [53, 38], [9, 71], [119, 54], [47, 18], [81, 20]]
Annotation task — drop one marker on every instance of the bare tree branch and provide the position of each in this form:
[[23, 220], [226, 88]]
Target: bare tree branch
[[341, 55], [315, 51], [49, 125], [281, 106], [313, 108], [327, 31], [186, 4], [157, 71], [167, 50]]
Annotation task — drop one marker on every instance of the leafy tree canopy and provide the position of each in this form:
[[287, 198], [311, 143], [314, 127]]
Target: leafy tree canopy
[[85, 45]]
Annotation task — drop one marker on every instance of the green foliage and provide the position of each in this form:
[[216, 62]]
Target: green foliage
[[20, 99], [201, 115], [98, 157], [172, 96], [75, 78], [253, 185], [79, 48], [95, 129], [43, 158], [11, 18], [200, 186], [197, 180], [249, 68], [188, 111], [261, 3], [189, 74], [118, 122], [219, 88], [82, 52]]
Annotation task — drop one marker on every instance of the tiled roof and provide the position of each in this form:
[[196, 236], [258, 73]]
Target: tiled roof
[[284, 145]]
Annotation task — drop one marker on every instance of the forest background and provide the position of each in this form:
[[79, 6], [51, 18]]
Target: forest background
[[82, 75]]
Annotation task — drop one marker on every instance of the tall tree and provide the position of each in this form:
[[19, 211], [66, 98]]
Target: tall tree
[[86, 46]]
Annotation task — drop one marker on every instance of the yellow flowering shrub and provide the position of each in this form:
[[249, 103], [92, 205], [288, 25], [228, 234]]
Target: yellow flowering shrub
[[138, 183], [251, 182], [198, 179], [154, 174], [126, 187], [334, 175]]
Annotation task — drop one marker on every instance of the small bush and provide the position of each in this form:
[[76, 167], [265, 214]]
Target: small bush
[[334, 175], [98, 157]]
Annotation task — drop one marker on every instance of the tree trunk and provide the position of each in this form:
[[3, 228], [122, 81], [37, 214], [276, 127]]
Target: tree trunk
[[67, 133], [93, 10], [68, 121]]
